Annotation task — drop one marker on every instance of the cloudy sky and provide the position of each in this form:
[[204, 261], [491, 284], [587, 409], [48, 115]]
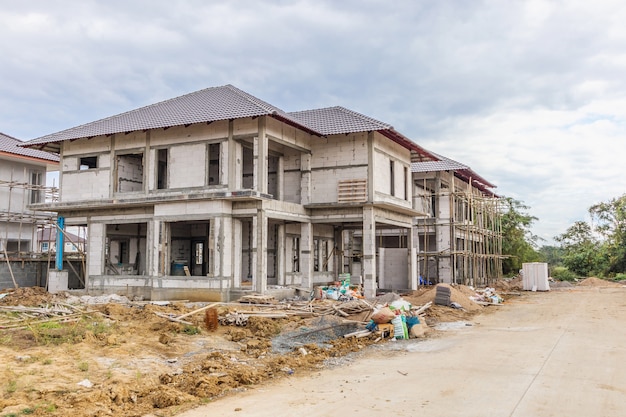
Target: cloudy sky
[[530, 94]]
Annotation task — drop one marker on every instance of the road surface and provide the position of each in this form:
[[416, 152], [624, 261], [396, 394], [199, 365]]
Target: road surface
[[561, 353]]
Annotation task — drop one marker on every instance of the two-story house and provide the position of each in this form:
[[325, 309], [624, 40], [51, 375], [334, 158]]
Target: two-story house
[[217, 192], [22, 182]]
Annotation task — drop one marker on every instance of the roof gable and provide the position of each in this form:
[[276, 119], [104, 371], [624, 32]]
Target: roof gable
[[9, 144]]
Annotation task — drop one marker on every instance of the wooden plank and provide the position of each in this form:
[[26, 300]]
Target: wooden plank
[[198, 310]]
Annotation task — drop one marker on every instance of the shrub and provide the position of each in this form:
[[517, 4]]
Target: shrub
[[620, 277], [563, 274]]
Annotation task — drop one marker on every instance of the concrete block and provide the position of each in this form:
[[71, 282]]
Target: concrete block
[[57, 281]]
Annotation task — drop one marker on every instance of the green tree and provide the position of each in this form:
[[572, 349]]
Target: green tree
[[553, 255], [582, 252], [610, 219], [518, 242]]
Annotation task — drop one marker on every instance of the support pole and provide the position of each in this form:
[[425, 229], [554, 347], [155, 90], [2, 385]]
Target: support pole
[[59, 254]]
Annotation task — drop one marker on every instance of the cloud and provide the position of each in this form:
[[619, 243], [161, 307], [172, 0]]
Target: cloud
[[530, 94]]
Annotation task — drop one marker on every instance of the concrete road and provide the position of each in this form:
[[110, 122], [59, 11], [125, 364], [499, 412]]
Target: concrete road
[[561, 353]]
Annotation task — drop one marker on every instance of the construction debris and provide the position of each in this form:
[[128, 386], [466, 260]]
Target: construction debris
[[251, 342]]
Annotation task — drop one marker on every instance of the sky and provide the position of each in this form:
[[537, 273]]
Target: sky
[[530, 94]]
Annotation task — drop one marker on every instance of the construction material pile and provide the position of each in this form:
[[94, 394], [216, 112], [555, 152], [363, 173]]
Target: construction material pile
[[398, 320]]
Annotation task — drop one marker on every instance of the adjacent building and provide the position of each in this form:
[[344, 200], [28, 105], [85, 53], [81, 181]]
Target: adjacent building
[[460, 239], [22, 183]]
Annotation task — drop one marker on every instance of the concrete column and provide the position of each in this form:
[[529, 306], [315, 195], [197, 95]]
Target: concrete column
[[338, 266], [371, 173], [149, 171], [369, 252], [306, 254], [305, 178], [413, 247], [260, 158], [152, 248], [259, 279], [233, 153], [280, 174], [218, 253], [236, 253], [280, 255], [226, 245], [95, 249]]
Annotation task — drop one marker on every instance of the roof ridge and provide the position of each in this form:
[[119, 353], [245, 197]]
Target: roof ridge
[[361, 115], [254, 100], [345, 110], [10, 137]]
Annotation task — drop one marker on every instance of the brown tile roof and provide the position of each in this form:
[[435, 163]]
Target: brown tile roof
[[338, 120], [223, 103], [10, 145], [208, 105], [444, 164], [463, 171]]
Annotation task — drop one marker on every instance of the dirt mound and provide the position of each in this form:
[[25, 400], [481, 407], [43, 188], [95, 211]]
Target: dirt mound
[[26, 296], [597, 282], [458, 294]]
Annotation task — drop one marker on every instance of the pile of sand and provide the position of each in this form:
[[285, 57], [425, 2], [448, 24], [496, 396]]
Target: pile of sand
[[28, 296], [458, 294], [597, 282]]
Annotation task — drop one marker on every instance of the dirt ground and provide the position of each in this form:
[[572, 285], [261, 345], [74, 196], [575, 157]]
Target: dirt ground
[[104, 357], [556, 353]]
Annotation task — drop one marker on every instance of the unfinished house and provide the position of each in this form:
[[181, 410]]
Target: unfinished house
[[217, 192], [22, 182], [460, 241]]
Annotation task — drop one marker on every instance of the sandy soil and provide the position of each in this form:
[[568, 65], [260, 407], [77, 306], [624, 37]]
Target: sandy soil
[[127, 359]]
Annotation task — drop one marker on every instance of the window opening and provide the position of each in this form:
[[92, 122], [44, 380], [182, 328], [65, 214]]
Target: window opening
[[36, 193], [272, 176], [162, 169], [247, 169], [214, 164], [406, 183], [295, 251], [316, 255], [392, 185], [88, 162], [129, 173]]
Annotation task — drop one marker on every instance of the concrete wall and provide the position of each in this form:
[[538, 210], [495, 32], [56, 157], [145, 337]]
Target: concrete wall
[[32, 273], [187, 166], [335, 158], [393, 269], [385, 152]]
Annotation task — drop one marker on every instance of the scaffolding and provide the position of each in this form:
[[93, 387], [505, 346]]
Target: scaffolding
[[461, 240], [18, 224], [21, 227]]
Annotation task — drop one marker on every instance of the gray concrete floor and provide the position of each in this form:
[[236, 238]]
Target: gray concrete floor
[[561, 353]]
